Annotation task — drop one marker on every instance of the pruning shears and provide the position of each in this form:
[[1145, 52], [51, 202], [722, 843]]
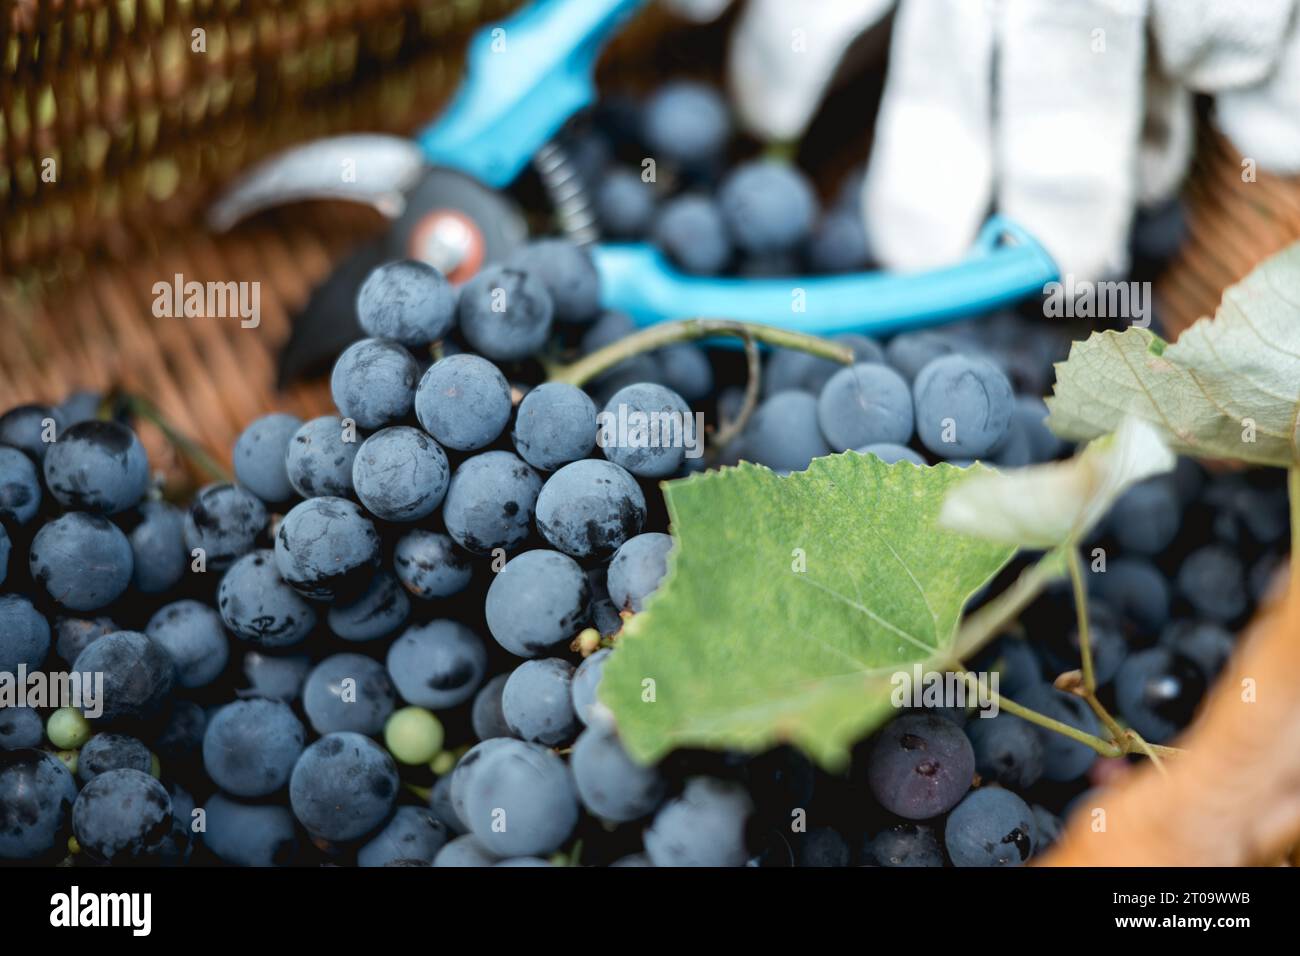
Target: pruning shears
[[526, 77]]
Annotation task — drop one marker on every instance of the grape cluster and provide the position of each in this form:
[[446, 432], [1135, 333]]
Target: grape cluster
[[381, 643]]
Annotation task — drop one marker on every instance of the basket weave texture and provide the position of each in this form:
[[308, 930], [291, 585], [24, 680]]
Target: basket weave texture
[[143, 133]]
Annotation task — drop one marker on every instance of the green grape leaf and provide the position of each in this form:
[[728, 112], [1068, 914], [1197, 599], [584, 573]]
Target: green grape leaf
[[1228, 388], [790, 603], [1046, 506]]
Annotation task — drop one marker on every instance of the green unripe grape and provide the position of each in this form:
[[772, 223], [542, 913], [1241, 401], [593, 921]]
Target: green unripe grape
[[69, 758], [413, 735], [443, 763], [68, 729]]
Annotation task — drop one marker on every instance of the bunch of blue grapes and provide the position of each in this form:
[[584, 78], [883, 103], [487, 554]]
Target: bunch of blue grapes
[[381, 642]]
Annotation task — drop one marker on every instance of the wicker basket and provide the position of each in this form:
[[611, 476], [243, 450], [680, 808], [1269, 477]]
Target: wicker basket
[[144, 132]]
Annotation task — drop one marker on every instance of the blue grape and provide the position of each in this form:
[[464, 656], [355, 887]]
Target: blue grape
[[348, 692], [1030, 414], [625, 206], [400, 474], [637, 568], [538, 600], [839, 243], [487, 716], [909, 352], [464, 772], [646, 429], [412, 834], [407, 301], [1063, 758], [784, 434], [437, 665], [527, 788], [920, 766], [490, 502], [260, 453], [97, 466], [692, 233], [259, 606], [319, 460], [605, 617], [24, 635], [20, 727], [991, 827], [789, 369], [611, 784], [1211, 579], [1136, 591], [5, 548], [1008, 750], [1204, 643], [224, 521], [589, 508], [1157, 692], [72, 635], [82, 560], [464, 851], [27, 426], [343, 786], [506, 314], [704, 826], [1146, 518], [249, 834], [1047, 827], [158, 548], [463, 401], [377, 613], [276, 678], [586, 681], [891, 453], [182, 736], [20, 487], [685, 369], [1105, 638], [865, 404], [568, 275], [36, 797], [326, 548], [80, 406], [429, 565], [823, 847], [963, 406], [373, 383], [556, 424], [251, 746], [138, 674], [524, 861], [905, 845], [769, 206], [686, 123], [441, 807], [537, 704], [122, 816], [105, 752], [192, 635]]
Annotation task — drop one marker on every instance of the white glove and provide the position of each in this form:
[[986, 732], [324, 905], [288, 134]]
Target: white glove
[[1057, 112]]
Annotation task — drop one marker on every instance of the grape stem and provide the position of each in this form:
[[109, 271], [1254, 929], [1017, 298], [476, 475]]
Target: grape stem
[[1081, 616], [686, 330], [730, 431]]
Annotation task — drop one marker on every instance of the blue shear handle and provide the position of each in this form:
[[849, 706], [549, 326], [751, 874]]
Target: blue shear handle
[[526, 76], [1006, 264]]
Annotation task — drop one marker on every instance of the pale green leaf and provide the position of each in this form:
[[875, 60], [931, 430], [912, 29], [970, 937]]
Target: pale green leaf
[[1044, 506], [1228, 388], [790, 603]]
